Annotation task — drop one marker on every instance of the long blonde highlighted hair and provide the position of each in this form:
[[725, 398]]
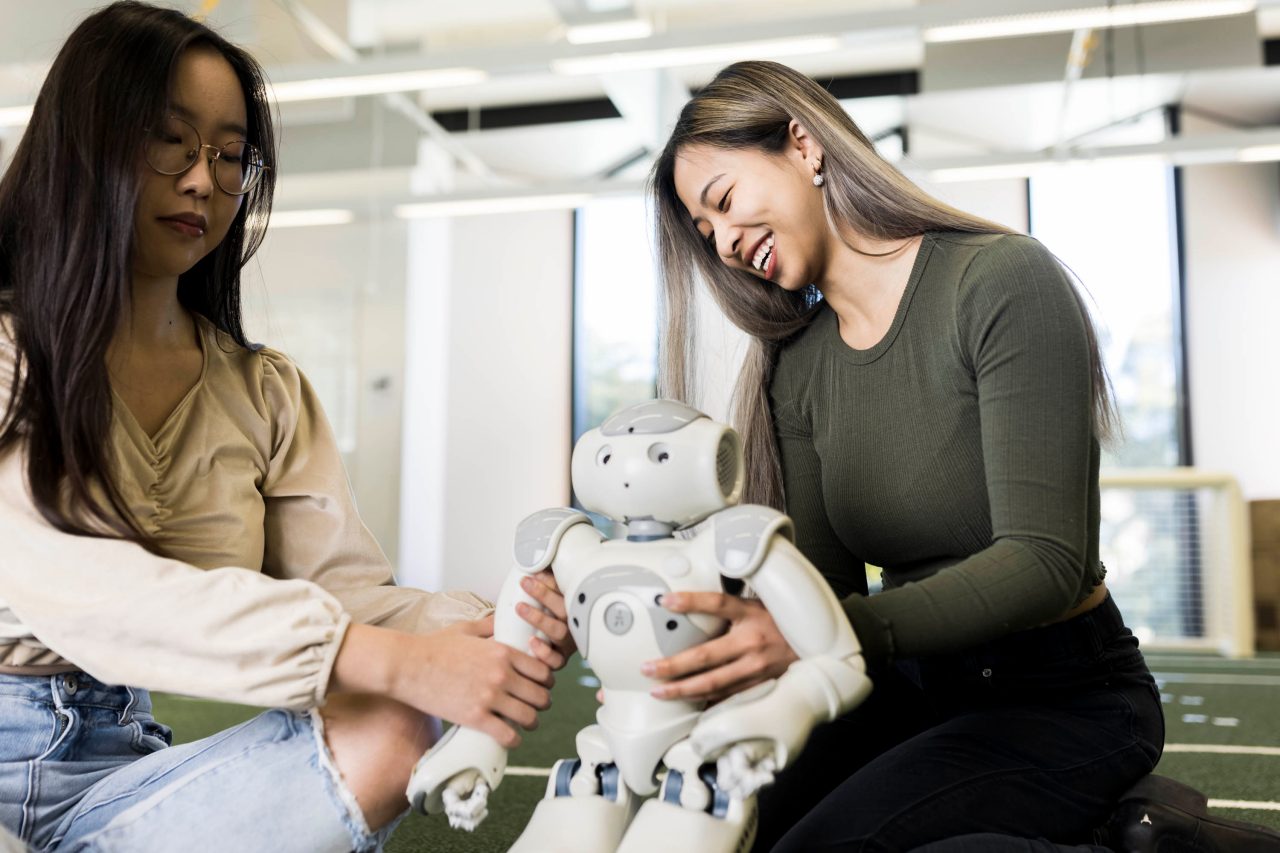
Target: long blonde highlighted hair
[[750, 105]]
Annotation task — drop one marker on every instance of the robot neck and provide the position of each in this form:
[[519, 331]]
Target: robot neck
[[647, 529]]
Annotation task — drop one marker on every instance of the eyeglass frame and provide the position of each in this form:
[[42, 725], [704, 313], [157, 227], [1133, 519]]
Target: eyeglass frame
[[217, 155]]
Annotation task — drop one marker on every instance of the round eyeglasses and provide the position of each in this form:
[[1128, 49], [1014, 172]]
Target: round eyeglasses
[[173, 147]]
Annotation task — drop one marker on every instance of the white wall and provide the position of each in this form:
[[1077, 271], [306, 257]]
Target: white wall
[[490, 395], [1003, 201], [1232, 232], [455, 334]]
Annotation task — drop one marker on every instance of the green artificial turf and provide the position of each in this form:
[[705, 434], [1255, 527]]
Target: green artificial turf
[[1207, 701], [573, 708]]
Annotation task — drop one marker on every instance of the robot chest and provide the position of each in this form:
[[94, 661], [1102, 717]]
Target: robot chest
[[616, 607]]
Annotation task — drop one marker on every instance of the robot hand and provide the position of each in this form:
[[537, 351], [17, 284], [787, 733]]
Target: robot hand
[[458, 773], [759, 731], [456, 776], [466, 800], [746, 768]]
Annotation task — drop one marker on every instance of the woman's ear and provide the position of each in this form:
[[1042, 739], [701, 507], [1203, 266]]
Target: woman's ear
[[804, 145]]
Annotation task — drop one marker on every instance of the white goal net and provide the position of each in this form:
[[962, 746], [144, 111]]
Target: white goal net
[[1176, 546]]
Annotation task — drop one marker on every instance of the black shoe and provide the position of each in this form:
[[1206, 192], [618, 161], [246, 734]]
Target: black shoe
[[1159, 815]]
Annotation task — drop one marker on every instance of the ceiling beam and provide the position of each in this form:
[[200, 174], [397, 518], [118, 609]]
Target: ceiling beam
[[377, 192], [852, 29], [340, 49]]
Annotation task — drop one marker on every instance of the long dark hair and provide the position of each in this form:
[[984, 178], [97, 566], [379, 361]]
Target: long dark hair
[[750, 105], [67, 207]]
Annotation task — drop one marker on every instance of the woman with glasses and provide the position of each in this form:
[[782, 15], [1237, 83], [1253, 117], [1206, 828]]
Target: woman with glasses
[[174, 514], [923, 392]]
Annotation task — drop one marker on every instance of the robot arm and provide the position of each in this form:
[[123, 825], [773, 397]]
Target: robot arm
[[758, 731], [457, 774]]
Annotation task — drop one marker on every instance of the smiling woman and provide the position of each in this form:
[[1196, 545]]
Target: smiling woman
[[924, 393], [173, 507]]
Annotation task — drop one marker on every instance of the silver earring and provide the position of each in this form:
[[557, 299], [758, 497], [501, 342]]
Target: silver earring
[[818, 180]]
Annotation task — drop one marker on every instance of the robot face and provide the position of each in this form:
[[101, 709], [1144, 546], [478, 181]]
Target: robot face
[[658, 460]]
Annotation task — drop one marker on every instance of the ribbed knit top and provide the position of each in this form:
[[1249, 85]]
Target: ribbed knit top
[[957, 453]]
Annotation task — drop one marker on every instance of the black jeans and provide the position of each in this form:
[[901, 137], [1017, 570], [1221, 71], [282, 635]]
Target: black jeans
[[1034, 735]]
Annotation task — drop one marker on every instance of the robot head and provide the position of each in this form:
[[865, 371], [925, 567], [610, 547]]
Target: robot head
[[659, 460]]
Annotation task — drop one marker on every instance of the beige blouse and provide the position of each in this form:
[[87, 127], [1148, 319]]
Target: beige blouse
[[268, 561]]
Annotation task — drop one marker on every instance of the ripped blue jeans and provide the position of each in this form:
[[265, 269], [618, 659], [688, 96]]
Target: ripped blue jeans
[[84, 766]]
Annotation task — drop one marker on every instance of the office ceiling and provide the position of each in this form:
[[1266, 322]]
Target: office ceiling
[[528, 125]]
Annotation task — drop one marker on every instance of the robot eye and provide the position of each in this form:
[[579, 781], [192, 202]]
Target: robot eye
[[658, 453], [603, 455]]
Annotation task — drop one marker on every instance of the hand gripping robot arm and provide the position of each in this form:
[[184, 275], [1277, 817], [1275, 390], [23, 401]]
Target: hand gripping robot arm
[[758, 732], [458, 773]]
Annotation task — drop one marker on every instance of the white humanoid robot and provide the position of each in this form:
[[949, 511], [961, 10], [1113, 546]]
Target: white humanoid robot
[[659, 467]]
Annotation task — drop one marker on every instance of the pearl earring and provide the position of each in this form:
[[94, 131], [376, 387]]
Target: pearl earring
[[818, 180]]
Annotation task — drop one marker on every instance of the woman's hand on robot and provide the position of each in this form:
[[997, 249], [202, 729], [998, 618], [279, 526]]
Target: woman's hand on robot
[[553, 621], [461, 675], [751, 651]]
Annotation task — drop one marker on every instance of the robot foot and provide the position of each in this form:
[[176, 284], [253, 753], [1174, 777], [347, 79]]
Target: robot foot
[[693, 813], [574, 825], [586, 810], [661, 825]]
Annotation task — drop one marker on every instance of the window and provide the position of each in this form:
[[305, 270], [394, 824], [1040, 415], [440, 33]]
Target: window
[[1114, 225], [615, 310]]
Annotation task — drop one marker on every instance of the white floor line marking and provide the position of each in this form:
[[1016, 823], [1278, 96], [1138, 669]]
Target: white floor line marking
[[1214, 678], [1221, 749], [1261, 805], [1243, 663], [529, 771]]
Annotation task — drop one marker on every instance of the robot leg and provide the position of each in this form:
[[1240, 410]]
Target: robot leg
[[692, 812], [587, 807]]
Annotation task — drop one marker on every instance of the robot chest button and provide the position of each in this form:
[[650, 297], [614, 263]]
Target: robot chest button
[[675, 566], [618, 618]]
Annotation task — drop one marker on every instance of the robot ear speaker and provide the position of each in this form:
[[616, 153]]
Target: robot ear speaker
[[727, 463]]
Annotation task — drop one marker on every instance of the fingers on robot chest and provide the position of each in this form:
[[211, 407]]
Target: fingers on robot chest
[[618, 623]]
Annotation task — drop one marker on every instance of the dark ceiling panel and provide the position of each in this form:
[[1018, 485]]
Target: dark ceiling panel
[[556, 112]]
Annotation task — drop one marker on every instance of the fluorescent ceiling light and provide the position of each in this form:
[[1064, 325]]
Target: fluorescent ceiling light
[[629, 28], [497, 204], [1092, 17], [1259, 154], [1031, 168], [16, 116], [304, 218], [375, 84], [703, 55], [987, 173]]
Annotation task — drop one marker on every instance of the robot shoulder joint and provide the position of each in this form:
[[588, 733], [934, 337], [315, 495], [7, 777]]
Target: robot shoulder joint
[[742, 537], [539, 535]]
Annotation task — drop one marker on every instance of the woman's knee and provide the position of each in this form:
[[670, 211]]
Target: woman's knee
[[375, 743]]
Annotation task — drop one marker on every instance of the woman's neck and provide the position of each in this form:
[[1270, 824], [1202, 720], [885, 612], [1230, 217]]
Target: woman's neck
[[155, 319], [864, 282]]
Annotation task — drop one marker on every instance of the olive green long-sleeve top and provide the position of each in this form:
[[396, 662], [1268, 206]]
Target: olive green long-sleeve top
[[957, 453]]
